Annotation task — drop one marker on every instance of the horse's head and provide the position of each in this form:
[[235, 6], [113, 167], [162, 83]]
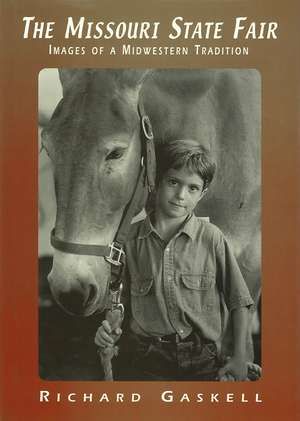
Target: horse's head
[[93, 140]]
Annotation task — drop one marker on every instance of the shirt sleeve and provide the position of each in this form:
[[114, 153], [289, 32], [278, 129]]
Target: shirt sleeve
[[230, 279]]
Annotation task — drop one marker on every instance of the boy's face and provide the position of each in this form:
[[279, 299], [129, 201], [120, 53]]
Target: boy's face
[[178, 193]]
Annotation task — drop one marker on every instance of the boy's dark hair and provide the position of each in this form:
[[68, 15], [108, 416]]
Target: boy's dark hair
[[185, 153]]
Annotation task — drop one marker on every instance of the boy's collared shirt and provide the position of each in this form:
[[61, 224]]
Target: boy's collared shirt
[[190, 282]]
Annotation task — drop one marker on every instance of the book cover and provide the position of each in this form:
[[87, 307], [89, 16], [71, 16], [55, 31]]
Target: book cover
[[225, 71]]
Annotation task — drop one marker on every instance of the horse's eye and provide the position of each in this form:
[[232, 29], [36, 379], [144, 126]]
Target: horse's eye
[[115, 154]]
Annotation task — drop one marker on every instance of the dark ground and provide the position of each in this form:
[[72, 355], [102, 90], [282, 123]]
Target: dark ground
[[66, 343], [67, 350]]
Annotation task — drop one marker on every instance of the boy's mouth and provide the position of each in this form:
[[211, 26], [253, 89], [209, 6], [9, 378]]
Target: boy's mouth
[[177, 205]]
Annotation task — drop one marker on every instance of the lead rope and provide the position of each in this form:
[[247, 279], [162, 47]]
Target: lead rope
[[114, 316]]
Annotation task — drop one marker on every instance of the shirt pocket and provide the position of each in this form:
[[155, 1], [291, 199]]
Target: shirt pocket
[[198, 292], [200, 282], [141, 286], [143, 299]]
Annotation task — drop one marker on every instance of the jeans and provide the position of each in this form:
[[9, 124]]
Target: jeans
[[150, 359]]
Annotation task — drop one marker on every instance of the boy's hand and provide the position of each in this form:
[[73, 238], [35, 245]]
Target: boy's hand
[[105, 337], [254, 371], [235, 369]]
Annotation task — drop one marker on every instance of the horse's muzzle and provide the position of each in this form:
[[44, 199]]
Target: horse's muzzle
[[78, 294]]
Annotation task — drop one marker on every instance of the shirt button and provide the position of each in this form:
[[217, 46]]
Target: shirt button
[[167, 250], [181, 331]]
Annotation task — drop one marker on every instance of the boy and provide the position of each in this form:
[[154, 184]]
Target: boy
[[182, 275]]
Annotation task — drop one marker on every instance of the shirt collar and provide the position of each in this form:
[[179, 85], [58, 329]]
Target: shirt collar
[[146, 228], [189, 228]]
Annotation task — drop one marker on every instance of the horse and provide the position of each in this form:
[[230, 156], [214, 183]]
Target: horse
[[94, 142]]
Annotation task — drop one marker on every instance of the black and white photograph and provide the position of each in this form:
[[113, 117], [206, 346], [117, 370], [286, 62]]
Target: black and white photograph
[[149, 224]]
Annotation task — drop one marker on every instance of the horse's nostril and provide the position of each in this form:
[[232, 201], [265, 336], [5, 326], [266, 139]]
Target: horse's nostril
[[72, 302], [92, 294], [77, 293]]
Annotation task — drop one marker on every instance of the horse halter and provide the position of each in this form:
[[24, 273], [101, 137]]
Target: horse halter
[[114, 253]]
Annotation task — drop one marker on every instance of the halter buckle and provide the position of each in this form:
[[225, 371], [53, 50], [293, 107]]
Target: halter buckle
[[147, 128], [115, 255]]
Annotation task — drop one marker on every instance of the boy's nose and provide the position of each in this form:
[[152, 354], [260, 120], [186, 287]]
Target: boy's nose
[[181, 193]]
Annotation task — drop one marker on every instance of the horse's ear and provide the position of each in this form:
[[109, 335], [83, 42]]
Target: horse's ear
[[66, 77]]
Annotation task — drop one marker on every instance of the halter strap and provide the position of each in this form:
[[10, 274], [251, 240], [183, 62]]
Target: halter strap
[[75, 248], [114, 253]]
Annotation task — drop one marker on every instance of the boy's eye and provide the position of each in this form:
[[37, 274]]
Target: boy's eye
[[194, 188], [172, 182]]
